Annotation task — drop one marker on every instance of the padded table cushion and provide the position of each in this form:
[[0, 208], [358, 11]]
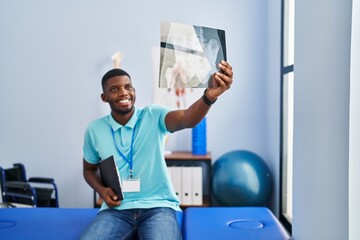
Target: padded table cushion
[[47, 223], [247, 223], [44, 223]]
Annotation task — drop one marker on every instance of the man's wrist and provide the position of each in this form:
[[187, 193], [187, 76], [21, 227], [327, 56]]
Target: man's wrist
[[206, 100]]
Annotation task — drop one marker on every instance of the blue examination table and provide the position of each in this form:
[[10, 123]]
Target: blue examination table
[[197, 223], [228, 223]]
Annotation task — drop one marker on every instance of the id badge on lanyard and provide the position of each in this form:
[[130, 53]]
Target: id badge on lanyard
[[129, 184]]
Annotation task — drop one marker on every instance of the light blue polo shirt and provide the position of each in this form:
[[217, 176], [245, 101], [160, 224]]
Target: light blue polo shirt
[[156, 189]]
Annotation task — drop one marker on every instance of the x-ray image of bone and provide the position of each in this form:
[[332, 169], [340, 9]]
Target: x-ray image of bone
[[189, 55], [211, 47], [188, 71]]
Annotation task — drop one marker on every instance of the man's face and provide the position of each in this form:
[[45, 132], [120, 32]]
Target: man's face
[[120, 94]]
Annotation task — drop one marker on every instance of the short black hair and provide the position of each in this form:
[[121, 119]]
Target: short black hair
[[112, 73]]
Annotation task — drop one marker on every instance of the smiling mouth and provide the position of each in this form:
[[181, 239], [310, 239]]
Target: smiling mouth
[[124, 101]]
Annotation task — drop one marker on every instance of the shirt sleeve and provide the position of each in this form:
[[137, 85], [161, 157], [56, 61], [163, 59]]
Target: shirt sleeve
[[161, 112], [89, 152]]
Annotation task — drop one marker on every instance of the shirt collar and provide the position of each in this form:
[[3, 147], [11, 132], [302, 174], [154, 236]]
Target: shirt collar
[[130, 124]]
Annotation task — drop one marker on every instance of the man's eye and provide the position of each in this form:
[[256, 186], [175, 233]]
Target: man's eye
[[128, 87], [113, 89]]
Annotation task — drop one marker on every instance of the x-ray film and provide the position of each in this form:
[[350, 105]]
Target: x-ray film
[[189, 55]]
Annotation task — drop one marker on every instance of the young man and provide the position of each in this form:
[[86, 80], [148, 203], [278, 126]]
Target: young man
[[134, 137]]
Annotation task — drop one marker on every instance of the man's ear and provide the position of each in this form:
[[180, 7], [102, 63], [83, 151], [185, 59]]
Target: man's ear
[[103, 97]]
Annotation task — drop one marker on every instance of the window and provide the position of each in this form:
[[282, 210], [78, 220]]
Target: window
[[287, 105]]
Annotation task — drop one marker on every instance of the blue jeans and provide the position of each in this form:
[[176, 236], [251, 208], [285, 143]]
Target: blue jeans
[[142, 224]]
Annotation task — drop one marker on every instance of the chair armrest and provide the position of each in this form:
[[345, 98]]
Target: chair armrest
[[21, 190], [17, 184], [41, 180]]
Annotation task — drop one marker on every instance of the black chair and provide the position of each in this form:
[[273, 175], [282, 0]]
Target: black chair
[[35, 191]]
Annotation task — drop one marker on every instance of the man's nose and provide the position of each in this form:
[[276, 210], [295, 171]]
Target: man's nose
[[122, 91]]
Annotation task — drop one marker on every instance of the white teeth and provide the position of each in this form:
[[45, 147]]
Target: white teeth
[[124, 101]]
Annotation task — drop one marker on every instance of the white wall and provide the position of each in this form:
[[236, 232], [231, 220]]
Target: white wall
[[354, 153], [321, 119], [54, 53]]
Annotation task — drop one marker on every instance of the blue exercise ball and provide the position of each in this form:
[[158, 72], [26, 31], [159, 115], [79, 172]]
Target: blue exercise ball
[[241, 178]]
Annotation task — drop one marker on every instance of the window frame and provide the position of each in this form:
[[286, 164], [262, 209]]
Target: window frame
[[284, 70]]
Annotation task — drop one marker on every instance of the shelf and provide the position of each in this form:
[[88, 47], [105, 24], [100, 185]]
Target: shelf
[[182, 155], [187, 159], [206, 203]]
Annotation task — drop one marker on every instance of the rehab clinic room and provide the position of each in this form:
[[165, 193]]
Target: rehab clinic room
[[279, 151]]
